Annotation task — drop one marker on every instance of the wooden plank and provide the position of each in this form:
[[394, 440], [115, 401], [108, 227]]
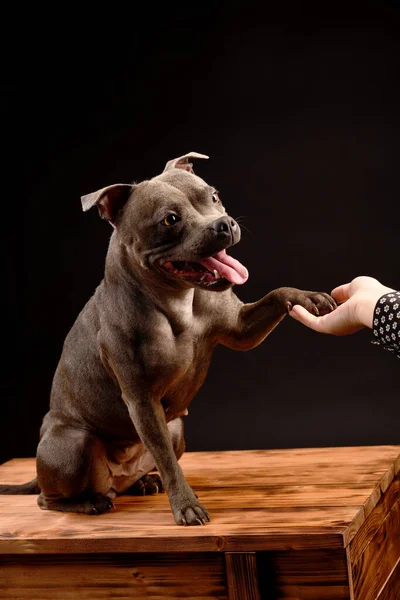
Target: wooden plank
[[128, 576], [337, 454], [265, 497], [294, 466], [370, 504], [303, 575], [239, 542], [265, 500], [397, 465], [143, 523], [391, 588], [139, 523], [241, 574], [387, 478], [372, 523], [289, 496], [350, 573], [312, 593], [379, 558]]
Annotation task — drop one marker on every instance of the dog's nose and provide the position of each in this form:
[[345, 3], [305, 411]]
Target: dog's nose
[[224, 225]]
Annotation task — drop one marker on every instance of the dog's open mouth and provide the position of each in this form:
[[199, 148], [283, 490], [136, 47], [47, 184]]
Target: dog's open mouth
[[210, 270]]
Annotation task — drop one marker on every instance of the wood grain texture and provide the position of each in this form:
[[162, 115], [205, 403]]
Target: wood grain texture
[[374, 520], [322, 521], [295, 466], [303, 575], [128, 576], [379, 558], [397, 465], [241, 574], [391, 588], [258, 500]]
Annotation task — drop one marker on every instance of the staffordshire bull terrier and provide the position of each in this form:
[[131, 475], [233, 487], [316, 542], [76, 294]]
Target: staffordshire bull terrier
[[140, 349]]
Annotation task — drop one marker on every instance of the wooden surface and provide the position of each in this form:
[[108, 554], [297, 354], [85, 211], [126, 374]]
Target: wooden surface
[[304, 499], [304, 575], [380, 553], [122, 576], [311, 524], [241, 574], [391, 589]]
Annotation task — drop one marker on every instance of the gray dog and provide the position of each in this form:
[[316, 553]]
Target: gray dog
[[140, 349]]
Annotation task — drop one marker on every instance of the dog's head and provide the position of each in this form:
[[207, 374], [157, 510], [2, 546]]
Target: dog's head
[[175, 226]]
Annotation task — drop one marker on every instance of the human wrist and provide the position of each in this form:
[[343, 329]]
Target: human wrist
[[367, 301], [386, 330]]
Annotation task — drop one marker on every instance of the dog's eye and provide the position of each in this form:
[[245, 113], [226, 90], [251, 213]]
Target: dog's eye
[[170, 219], [215, 198]]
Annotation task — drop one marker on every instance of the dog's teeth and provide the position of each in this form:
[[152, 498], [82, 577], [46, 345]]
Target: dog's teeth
[[216, 274]]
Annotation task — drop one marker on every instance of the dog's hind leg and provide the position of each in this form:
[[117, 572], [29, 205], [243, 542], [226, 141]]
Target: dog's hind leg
[[70, 471]]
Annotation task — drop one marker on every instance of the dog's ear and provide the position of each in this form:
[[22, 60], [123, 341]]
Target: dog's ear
[[182, 162], [109, 200]]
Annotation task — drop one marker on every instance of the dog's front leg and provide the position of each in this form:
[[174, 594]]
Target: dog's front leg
[[249, 324], [148, 417]]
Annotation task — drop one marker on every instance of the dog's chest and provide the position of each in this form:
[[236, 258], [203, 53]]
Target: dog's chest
[[178, 361]]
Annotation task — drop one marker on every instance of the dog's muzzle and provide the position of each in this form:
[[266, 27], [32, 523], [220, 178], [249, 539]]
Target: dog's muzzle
[[226, 230]]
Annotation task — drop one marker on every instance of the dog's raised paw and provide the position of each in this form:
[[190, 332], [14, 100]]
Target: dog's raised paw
[[320, 303], [317, 303]]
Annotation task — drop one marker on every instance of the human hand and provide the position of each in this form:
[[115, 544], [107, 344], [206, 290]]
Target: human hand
[[357, 301]]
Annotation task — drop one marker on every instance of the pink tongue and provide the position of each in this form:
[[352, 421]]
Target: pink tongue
[[227, 267]]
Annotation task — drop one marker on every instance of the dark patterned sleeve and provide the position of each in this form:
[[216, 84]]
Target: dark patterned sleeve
[[386, 323]]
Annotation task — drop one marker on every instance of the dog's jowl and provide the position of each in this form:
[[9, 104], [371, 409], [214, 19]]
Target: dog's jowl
[[141, 347]]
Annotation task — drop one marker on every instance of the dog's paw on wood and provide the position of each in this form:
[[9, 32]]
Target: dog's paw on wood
[[191, 514], [146, 486]]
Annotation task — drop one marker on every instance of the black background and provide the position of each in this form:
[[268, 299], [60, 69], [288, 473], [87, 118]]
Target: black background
[[298, 110]]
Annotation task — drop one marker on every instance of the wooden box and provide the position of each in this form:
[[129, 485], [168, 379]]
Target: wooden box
[[309, 524]]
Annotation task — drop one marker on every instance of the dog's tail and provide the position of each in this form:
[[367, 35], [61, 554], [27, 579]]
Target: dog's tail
[[25, 488]]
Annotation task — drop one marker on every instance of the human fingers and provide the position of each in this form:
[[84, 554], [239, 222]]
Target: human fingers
[[341, 293], [341, 321], [301, 314]]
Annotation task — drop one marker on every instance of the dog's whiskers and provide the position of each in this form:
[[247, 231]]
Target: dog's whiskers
[[239, 220]]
